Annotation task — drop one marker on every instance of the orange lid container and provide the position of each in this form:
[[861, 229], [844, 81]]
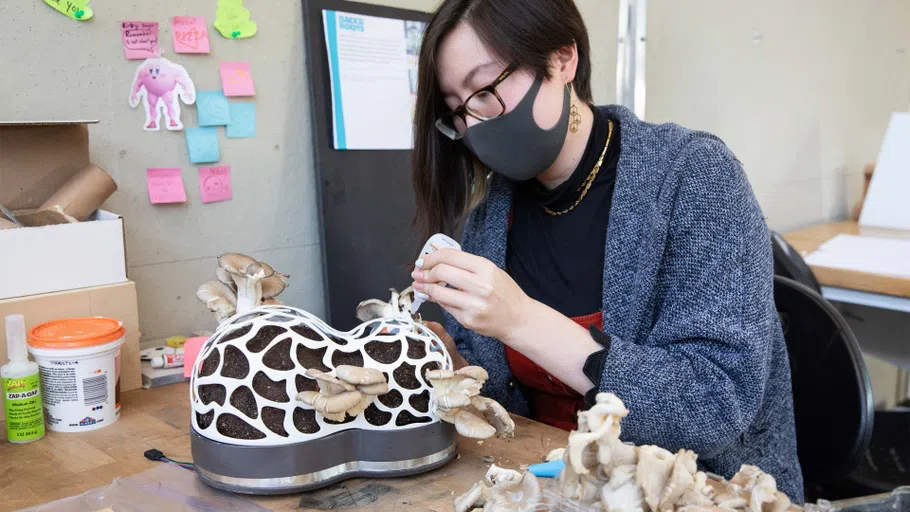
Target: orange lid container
[[76, 333]]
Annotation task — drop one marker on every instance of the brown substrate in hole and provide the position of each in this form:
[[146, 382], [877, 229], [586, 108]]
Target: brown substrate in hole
[[205, 420], [306, 332], [421, 402], [417, 349], [432, 365], [305, 384], [244, 401], [234, 427], [305, 421], [311, 358], [340, 358], [406, 418], [209, 393], [210, 365], [269, 389], [347, 419], [236, 333], [377, 417], [235, 365], [274, 420], [261, 340], [279, 356], [392, 399], [385, 352], [406, 376]]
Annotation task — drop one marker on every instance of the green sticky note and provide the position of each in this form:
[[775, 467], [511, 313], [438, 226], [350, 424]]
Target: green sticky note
[[232, 20], [75, 9]]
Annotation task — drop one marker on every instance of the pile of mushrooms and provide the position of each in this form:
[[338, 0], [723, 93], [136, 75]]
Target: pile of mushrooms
[[243, 284], [457, 400], [349, 393], [604, 474]]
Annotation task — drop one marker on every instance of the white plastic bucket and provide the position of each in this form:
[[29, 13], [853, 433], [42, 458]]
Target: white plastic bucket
[[79, 362]]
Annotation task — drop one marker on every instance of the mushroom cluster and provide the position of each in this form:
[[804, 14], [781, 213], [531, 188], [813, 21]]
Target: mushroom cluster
[[348, 394], [243, 284], [457, 401], [603, 473], [398, 307]]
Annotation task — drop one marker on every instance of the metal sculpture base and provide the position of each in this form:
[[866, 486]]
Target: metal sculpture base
[[311, 465]]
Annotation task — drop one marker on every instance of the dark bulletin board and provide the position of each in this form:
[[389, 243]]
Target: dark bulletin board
[[366, 199]]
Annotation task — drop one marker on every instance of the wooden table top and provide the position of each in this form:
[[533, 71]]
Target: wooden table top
[[63, 465], [808, 240]]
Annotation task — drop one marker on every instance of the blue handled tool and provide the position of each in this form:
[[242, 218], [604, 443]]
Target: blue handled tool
[[547, 469]]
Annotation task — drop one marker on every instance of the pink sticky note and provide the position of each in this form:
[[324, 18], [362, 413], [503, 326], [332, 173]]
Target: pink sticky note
[[191, 348], [215, 183], [190, 34], [165, 186], [140, 39], [236, 79]]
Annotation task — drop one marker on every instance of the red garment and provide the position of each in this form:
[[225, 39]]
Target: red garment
[[555, 403]]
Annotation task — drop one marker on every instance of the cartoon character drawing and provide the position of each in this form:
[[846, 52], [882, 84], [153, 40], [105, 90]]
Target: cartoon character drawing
[[214, 185], [159, 83]]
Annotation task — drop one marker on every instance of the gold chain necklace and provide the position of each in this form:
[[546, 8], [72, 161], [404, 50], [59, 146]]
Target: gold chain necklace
[[590, 179]]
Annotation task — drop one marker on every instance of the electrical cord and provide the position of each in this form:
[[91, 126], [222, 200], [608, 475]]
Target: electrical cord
[[158, 456]]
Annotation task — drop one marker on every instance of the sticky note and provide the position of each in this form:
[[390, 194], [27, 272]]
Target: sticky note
[[190, 34], [215, 183], [236, 79], [232, 20], [243, 121], [212, 108], [76, 9], [165, 186], [202, 145], [140, 39]]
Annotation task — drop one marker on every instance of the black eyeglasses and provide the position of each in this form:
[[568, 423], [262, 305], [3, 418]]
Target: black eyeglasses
[[483, 105]]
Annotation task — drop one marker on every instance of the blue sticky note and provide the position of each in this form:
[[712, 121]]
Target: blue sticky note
[[548, 469], [202, 145], [243, 121], [212, 108]]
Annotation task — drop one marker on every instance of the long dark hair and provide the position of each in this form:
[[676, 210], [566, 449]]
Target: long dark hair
[[447, 180]]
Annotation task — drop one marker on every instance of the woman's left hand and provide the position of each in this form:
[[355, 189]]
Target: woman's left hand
[[481, 296]]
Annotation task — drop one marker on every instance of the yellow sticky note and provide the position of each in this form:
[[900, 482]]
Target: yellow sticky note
[[76, 9], [233, 21], [176, 341]]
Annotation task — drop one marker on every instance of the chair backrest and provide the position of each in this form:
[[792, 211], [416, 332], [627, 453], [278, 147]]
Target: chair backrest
[[832, 393], [789, 263]]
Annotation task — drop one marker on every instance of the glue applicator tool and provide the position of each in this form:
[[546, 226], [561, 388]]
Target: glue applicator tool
[[435, 243]]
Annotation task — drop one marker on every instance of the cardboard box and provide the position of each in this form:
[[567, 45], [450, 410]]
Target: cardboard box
[[38, 159], [116, 301]]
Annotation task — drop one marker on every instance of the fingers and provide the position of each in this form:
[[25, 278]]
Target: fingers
[[454, 276], [449, 298]]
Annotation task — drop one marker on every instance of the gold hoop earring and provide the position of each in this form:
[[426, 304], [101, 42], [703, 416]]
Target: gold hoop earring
[[575, 117]]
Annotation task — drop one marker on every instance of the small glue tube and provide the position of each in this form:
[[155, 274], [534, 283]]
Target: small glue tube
[[435, 243], [167, 361]]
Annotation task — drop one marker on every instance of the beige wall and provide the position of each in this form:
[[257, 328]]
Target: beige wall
[[805, 107]]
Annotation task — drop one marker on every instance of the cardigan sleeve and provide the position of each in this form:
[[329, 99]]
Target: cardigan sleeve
[[697, 379]]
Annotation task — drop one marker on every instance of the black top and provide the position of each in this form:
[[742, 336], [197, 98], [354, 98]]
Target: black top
[[559, 260]]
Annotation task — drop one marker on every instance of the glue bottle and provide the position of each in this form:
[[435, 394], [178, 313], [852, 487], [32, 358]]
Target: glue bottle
[[22, 405]]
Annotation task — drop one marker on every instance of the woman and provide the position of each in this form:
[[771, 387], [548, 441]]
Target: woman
[[601, 253]]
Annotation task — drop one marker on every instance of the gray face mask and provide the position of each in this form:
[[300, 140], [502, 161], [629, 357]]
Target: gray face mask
[[513, 145]]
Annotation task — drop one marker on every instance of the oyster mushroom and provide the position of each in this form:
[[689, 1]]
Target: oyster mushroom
[[682, 479], [622, 492], [495, 414], [654, 467], [504, 490], [457, 400], [219, 298], [370, 382], [477, 496], [398, 307], [272, 302], [247, 274], [334, 398]]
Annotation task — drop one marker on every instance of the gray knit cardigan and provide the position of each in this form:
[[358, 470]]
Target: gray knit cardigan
[[697, 352]]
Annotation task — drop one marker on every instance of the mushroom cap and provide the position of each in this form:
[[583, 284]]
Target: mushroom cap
[[331, 404], [374, 389], [273, 286], [225, 277], [474, 372], [372, 309], [328, 385], [272, 302], [235, 263], [469, 425], [359, 376], [440, 374], [214, 290]]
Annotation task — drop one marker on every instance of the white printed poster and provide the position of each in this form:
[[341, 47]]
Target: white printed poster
[[373, 73]]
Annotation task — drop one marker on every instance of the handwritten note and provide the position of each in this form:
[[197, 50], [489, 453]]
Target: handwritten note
[[243, 121], [232, 20], [76, 9], [140, 39], [215, 184], [190, 34], [202, 145], [236, 79], [212, 108], [165, 186]]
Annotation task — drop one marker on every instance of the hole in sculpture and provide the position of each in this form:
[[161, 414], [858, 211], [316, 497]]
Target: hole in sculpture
[[421, 402], [279, 356], [305, 384], [377, 417], [305, 421], [432, 365], [235, 365], [274, 420], [266, 334], [405, 375], [416, 349], [209, 393], [210, 364], [340, 358], [306, 332], [236, 333], [244, 401], [311, 358], [406, 418], [392, 399], [385, 352], [336, 339], [270, 389], [204, 421], [234, 427]]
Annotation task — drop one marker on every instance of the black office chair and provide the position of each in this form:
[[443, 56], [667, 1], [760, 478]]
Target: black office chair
[[788, 263]]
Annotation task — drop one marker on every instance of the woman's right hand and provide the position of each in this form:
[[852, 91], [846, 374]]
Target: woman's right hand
[[458, 362]]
